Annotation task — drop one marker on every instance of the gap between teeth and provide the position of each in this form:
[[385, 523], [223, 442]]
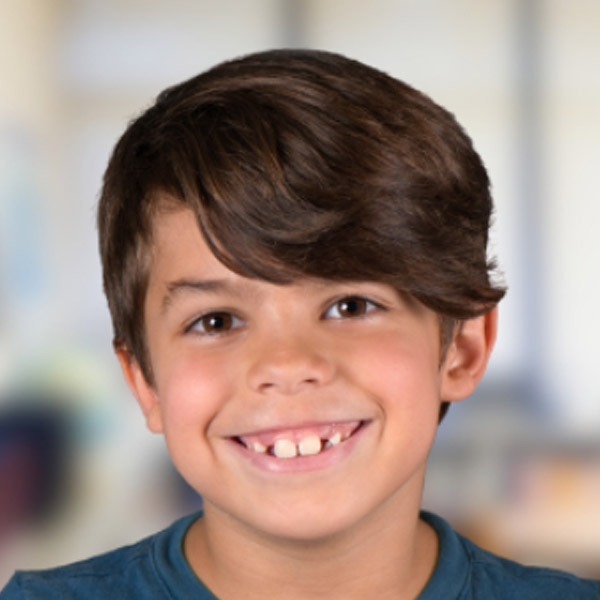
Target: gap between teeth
[[309, 446]]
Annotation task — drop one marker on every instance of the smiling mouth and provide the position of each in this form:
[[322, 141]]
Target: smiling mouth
[[308, 441]]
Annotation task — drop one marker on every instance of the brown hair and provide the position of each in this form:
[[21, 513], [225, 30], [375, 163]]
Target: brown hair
[[300, 162]]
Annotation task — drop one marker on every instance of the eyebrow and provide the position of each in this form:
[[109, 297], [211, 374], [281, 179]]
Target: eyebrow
[[182, 286]]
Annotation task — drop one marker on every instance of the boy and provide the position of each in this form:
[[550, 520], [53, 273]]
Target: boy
[[294, 254]]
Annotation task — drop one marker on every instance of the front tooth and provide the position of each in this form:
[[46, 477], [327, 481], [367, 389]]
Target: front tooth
[[285, 449], [258, 447], [311, 444], [335, 439]]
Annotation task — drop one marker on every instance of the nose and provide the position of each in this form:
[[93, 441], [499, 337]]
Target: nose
[[289, 366]]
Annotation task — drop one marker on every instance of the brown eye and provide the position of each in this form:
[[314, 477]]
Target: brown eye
[[216, 322], [352, 306]]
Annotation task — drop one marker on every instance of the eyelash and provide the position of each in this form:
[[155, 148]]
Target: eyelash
[[223, 321]]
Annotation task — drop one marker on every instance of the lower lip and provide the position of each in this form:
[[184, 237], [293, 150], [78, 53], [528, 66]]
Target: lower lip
[[327, 458]]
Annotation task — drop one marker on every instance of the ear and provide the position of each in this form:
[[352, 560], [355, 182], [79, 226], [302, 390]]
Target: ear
[[467, 356], [144, 392]]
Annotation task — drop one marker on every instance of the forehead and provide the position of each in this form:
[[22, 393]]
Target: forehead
[[178, 247], [181, 260], [179, 251], [183, 269]]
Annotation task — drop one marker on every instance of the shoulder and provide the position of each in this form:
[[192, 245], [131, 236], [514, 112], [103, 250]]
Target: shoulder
[[129, 572], [492, 573], [98, 577], [473, 573]]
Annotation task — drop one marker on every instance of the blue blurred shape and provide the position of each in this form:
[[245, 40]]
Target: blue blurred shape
[[34, 442]]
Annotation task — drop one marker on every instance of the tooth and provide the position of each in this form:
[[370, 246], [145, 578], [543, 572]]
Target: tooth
[[335, 439], [258, 447], [311, 444], [285, 449]]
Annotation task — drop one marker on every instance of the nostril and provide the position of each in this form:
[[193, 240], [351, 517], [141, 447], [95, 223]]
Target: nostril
[[289, 385], [289, 373]]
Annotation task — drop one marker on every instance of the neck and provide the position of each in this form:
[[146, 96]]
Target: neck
[[391, 554]]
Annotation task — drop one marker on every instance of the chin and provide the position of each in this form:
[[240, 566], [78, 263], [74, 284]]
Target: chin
[[315, 522]]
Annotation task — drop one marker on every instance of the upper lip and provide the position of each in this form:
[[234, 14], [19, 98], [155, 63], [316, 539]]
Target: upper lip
[[275, 428]]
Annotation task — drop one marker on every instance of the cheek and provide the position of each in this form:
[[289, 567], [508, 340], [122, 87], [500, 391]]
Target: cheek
[[402, 374], [192, 389]]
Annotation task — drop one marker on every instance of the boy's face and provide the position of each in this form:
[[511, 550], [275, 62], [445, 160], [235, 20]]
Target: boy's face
[[346, 374]]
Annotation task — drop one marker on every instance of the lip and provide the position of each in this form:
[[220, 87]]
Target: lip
[[327, 458], [297, 432]]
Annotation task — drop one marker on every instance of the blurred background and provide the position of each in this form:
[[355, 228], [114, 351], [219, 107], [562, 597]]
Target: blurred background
[[517, 467]]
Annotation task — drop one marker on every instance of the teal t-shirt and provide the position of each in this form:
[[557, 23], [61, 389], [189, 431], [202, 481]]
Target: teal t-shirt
[[157, 568]]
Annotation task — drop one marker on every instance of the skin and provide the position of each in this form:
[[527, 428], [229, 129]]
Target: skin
[[273, 357]]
